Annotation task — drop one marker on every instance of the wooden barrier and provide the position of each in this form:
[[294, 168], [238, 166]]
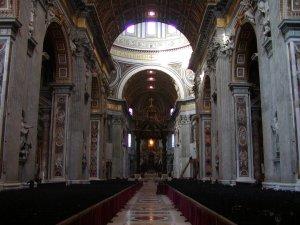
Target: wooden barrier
[[196, 213], [102, 212]]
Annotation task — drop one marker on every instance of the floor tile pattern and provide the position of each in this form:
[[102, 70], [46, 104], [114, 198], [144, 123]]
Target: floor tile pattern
[[147, 208]]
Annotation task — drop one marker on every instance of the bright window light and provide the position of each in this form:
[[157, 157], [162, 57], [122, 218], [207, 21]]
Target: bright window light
[[129, 140], [151, 13], [173, 140], [151, 28], [151, 79], [151, 87], [130, 110], [130, 29], [171, 111]]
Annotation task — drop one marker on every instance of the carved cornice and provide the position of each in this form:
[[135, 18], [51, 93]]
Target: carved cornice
[[9, 26], [290, 28]]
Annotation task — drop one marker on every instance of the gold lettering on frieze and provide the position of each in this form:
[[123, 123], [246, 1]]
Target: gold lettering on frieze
[[114, 107], [132, 55], [188, 107]]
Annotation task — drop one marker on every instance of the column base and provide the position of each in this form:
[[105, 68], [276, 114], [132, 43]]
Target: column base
[[282, 186], [228, 182], [245, 180], [297, 185], [70, 182], [10, 186]]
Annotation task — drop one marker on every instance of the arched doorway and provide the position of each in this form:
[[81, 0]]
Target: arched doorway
[[52, 112], [246, 88]]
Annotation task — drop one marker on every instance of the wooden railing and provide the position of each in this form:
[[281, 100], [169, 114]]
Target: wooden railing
[[102, 212]]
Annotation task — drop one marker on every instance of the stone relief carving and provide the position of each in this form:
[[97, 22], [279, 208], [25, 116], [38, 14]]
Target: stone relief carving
[[242, 136], [25, 145], [9, 8], [59, 134], [207, 148], [94, 148], [212, 56], [249, 10], [227, 45], [80, 44]]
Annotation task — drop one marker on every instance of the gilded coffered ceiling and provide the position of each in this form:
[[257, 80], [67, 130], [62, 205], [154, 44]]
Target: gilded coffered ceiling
[[138, 89], [116, 15]]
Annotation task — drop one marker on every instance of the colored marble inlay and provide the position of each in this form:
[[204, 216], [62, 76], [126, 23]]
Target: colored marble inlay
[[208, 150], [94, 148], [147, 208], [59, 134], [242, 135]]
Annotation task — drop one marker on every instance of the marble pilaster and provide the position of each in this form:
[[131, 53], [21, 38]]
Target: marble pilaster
[[243, 132], [224, 120]]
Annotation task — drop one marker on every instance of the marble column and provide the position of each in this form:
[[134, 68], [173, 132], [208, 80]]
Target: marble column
[[78, 154]]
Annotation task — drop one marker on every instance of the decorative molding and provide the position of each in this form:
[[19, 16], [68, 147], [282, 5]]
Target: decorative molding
[[290, 28], [59, 135], [94, 153], [9, 27]]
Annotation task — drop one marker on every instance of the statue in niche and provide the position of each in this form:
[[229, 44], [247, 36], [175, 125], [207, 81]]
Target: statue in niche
[[263, 8], [275, 129], [25, 145]]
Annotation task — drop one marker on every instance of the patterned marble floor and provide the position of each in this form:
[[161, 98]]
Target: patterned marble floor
[[147, 208]]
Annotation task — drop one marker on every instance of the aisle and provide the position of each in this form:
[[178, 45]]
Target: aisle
[[147, 208]]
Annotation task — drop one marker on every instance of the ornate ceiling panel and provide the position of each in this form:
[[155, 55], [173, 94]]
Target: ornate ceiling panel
[[116, 15]]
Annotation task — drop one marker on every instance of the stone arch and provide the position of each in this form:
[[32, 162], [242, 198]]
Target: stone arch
[[56, 34], [173, 74], [246, 35], [246, 88], [53, 106]]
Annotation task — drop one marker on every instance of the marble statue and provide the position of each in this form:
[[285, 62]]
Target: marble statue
[[25, 144]]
